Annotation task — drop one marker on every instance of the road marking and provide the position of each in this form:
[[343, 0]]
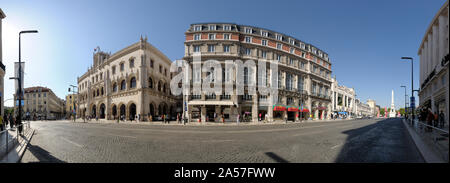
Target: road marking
[[71, 142], [336, 146]]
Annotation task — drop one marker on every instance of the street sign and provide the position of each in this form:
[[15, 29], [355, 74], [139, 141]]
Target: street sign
[[413, 103]]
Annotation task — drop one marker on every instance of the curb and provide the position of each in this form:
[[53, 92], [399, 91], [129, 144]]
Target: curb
[[15, 155], [427, 153]]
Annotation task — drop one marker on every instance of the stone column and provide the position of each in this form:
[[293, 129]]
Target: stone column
[[255, 114], [203, 114]]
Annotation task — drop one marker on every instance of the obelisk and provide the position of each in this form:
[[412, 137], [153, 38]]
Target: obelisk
[[392, 111]]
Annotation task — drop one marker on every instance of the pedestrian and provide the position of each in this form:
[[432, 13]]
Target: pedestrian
[[150, 118], [285, 118], [11, 121], [430, 118], [441, 119], [5, 120], [223, 119], [259, 117], [1, 123], [237, 119], [435, 119], [266, 118], [178, 118]]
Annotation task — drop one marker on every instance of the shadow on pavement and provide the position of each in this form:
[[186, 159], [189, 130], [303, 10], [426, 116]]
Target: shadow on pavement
[[277, 158], [42, 155], [384, 141]]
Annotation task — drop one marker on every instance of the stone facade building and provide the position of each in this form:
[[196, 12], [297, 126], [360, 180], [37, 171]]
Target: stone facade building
[[434, 64], [131, 82], [303, 78], [71, 101], [2, 68], [363, 109], [41, 103], [343, 100]]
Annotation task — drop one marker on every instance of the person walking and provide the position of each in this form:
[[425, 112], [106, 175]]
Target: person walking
[[5, 121], [237, 119], [430, 118], [1, 123], [441, 120], [11, 121], [436, 119]]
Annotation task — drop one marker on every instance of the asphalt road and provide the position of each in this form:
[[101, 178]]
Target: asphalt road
[[370, 140]]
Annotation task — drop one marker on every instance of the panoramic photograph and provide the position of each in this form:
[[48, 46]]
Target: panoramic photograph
[[258, 83]]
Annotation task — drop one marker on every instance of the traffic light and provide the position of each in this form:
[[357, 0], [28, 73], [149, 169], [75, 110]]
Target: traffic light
[[69, 89]]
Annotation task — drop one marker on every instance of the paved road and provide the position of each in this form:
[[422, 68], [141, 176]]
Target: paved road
[[369, 140]]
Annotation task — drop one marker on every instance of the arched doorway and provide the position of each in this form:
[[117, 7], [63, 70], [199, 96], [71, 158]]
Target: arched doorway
[[152, 110], [94, 111], [114, 111], [102, 111], [171, 111], [132, 110], [122, 111]]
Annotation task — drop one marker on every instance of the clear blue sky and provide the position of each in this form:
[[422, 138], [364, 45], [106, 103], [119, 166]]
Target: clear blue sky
[[364, 38]]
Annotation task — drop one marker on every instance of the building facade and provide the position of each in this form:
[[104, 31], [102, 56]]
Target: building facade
[[303, 75], [434, 65], [41, 103], [2, 68], [131, 82], [372, 104], [343, 100], [71, 104], [363, 109]]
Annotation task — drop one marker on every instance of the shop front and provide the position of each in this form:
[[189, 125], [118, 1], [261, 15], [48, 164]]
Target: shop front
[[278, 111], [291, 113]]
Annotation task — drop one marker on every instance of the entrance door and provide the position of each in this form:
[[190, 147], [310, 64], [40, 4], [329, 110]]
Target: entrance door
[[132, 111], [102, 111]]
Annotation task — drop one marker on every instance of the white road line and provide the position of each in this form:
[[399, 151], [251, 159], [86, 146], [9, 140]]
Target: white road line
[[336, 146], [71, 142]]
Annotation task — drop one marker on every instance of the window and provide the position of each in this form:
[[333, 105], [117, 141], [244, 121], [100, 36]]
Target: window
[[264, 54], [248, 51], [291, 61], [248, 39], [212, 27], [115, 87], [245, 75], [264, 33], [114, 70], [151, 63], [198, 28], [212, 36], [300, 83], [291, 50], [279, 37], [226, 27], [248, 30], [197, 36], [211, 48], [45, 94], [226, 36], [133, 82], [279, 79], [165, 72], [291, 41], [278, 58], [302, 65], [279, 46], [314, 69], [196, 48], [303, 54], [264, 42], [131, 64], [160, 69], [122, 67], [227, 75], [150, 83], [123, 85], [226, 48]]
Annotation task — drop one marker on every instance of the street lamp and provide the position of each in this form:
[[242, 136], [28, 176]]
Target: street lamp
[[405, 98], [412, 85], [20, 76]]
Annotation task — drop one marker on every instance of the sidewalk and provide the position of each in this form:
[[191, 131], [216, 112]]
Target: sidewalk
[[432, 145], [16, 146]]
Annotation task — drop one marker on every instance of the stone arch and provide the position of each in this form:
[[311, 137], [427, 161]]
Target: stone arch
[[123, 85], [122, 110], [93, 112], [151, 109], [132, 110], [102, 111], [114, 111], [132, 82]]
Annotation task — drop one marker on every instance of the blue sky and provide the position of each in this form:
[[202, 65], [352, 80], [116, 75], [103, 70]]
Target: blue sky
[[364, 38]]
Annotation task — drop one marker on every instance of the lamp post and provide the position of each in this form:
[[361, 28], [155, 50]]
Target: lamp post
[[405, 98], [73, 101], [412, 85], [19, 121]]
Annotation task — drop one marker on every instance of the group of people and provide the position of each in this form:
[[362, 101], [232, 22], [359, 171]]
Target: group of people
[[432, 118], [8, 120]]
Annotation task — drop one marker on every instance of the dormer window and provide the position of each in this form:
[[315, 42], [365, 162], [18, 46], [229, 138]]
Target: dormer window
[[248, 30], [279, 37], [291, 41], [212, 27], [264, 33], [226, 27], [198, 28]]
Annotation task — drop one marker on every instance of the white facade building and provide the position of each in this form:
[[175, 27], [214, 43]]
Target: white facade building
[[343, 100], [434, 66], [2, 67]]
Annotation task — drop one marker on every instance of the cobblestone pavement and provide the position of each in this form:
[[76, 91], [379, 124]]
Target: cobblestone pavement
[[370, 140]]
